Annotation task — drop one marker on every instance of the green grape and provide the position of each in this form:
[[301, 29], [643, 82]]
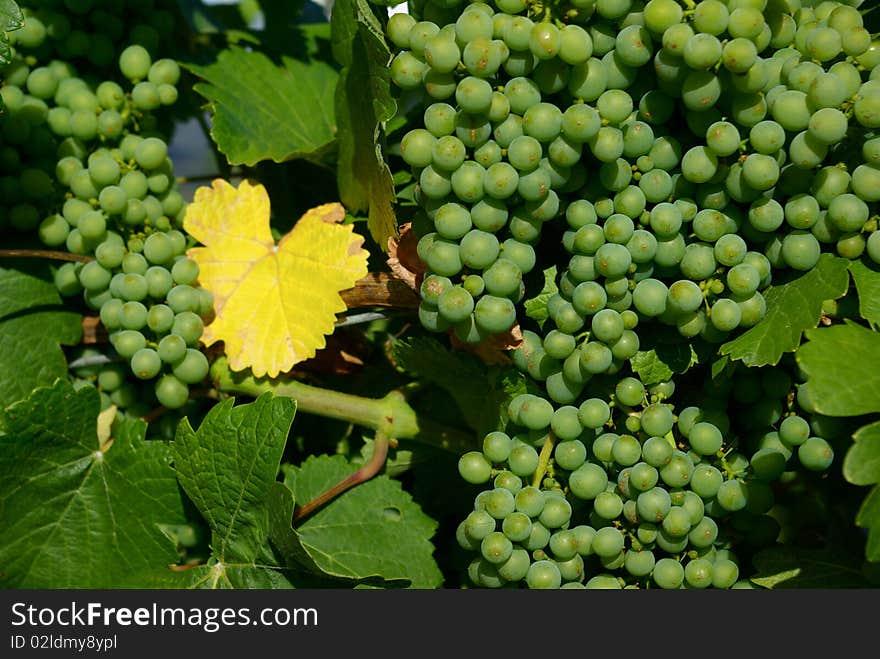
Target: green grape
[[705, 438], [571, 453], [497, 446], [608, 505], [815, 454], [794, 430], [145, 364], [135, 62], [732, 495], [127, 342], [192, 368], [800, 250], [607, 542], [588, 481], [150, 153], [474, 468], [743, 279], [94, 277], [109, 314], [543, 574], [643, 477], [133, 315], [171, 392], [706, 480], [188, 326]]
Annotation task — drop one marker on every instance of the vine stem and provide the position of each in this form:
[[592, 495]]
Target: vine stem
[[543, 460], [43, 254], [390, 416], [362, 475]]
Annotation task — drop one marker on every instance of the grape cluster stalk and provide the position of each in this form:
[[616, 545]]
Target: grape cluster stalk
[[689, 154]]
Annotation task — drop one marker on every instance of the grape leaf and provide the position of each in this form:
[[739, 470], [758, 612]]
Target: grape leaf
[[536, 307], [867, 280], [795, 567], [78, 512], [459, 374], [218, 576], [11, 19], [861, 466], [227, 466], [371, 530], [791, 308], [273, 304], [265, 112], [842, 364], [363, 103], [663, 361], [862, 463], [868, 517], [33, 326]]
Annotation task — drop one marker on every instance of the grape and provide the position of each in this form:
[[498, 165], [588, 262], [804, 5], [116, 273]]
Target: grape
[[607, 542], [815, 454], [128, 342], [135, 62], [145, 364], [171, 392], [192, 368], [732, 495], [543, 574], [800, 250], [150, 152], [473, 467], [794, 430], [588, 481], [188, 326]]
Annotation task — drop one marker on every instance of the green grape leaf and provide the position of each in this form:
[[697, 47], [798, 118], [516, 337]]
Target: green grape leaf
[[218, 576], [663, 361], [11, 19], [868, 517], [460, 374], [842, 364], [266, 112], [866, 277], [363, 104], [796, 567], [33, 327], [861, 466], [227, 467], [536, 307], [79, 512], [371, 531], [791, 308]]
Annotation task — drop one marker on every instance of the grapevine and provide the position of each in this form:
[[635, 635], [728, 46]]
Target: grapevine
[[688, 156], [524, 294]]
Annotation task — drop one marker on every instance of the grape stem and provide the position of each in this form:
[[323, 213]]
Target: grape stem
[[43, 254], [362, 475], [391, 415], [543, 460]]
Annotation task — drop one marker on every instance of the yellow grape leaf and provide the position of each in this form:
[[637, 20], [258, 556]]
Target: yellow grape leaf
[[273, 304]]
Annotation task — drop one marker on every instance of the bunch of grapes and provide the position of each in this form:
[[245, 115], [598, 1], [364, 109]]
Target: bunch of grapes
[[632, 494], [86, 167], [689, 157], [90, 34]]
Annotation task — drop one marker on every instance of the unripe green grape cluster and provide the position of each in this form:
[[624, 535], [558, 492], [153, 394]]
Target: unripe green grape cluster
[[721, 203], [85, 167], [92, 33], [634, 493], [689, 158]]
